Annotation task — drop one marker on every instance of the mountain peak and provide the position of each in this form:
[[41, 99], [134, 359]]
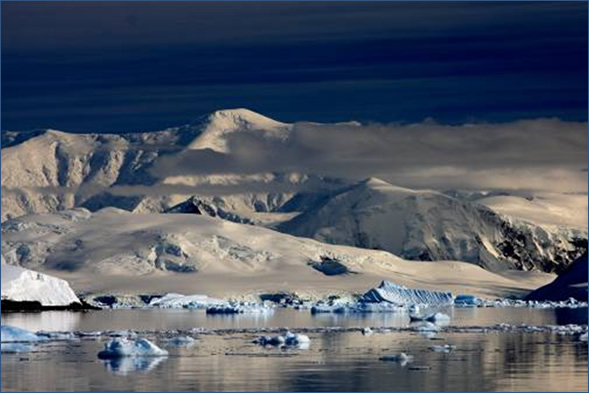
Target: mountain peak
[[217, 125]]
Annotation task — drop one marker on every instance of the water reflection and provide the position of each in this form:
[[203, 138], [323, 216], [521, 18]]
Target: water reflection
[[47, 320], [333, 362], [127, 365], [187, 319], [565, 316]]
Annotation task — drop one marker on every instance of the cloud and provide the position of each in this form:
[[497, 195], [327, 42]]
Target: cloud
[[239, 186], [529, 154]]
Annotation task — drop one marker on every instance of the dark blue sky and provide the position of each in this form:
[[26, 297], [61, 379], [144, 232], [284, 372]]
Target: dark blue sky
[[114, 66]]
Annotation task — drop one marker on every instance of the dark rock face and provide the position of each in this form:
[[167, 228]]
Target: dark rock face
[[198, 206], [330, 267], [571, 283], [35, 306]]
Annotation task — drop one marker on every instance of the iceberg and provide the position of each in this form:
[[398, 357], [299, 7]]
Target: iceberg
[[120, 348], [388, 292], [24, 285]]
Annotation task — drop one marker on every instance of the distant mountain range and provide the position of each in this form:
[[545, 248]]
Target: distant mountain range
[[51, 171]]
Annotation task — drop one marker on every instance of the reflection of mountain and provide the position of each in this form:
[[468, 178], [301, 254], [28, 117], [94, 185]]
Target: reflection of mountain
[[565, 316], [128, 365]]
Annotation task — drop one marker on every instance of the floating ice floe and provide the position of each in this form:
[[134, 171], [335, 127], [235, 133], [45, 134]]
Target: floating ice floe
[[181, 341], [287, 339], [16, 347], [439, 318], [240, 308], [120, 333], [425, 327], [120, 348], [447, 348], [367, 331], [89, 334], [11, 334], [401, 358], [583, 337], [58, 336], [176, 300]]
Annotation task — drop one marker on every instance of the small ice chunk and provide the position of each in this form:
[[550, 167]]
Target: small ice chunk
[[296, 339], [467, 301], [435, 318], [119, 348], [447, 348], [583, 337], [438, 317], [367, 331], [11, 334], [121, 333], [287, 339], [57, 336], [89, 334], [425, 327], [401, 358]]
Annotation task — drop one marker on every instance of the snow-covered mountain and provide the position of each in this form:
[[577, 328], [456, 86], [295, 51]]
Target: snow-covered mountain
[[19, 284], [50, 171], [428, 225], [47, 171], [216, 127], [113, 251]]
